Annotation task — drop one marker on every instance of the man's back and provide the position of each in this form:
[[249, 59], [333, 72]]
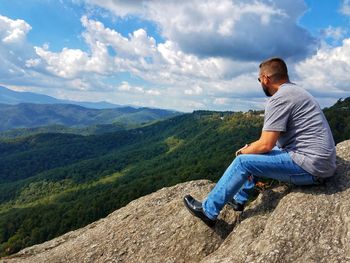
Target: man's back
[[305, 133]]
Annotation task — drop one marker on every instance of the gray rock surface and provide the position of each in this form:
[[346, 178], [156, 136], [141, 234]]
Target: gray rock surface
[[284, 224], [308, 224]]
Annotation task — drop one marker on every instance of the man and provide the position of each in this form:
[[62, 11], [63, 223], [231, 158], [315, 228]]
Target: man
[[305, 154]]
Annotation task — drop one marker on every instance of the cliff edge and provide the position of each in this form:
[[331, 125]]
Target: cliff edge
[[284, 224]]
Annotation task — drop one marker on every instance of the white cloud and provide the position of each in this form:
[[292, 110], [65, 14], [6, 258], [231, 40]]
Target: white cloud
[[197, 90], [335, 33], [195, 105], [153, 92], [139, 54], [221, 101], [244, 29], [138, 43], [127, 88], [33, 62], [327, 73], [69, 63], [120, 7], [345, 8], [132, 53], [66, 63], [13, 31], [14, 49]]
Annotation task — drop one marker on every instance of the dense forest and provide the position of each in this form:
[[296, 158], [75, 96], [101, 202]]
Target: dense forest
[[338, 117], [53, 183]]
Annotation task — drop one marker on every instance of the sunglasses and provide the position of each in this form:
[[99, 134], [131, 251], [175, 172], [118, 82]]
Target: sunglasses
[[259, 79]]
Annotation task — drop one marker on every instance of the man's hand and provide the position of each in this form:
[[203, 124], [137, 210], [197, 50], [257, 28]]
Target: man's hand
[[238, 152], [265, 144]]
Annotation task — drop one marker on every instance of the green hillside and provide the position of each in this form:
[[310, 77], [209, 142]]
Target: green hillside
[[54, 183], [338, 117], [56, 128], [28, 115]]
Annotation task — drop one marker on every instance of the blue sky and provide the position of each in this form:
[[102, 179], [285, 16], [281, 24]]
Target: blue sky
[[183, 55]]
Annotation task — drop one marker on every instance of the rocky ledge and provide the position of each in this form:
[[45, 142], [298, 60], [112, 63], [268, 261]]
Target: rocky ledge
[[284, 224]]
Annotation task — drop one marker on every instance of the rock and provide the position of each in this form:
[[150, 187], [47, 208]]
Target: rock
[[284, 224], [308, 224]]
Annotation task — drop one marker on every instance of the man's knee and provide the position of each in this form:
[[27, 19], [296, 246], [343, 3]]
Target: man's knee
[[243, 160]]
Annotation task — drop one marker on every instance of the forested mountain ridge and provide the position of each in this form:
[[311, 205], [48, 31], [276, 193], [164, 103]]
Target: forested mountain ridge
[[26, 115], [338, 117], [57, 182], [8, 96]]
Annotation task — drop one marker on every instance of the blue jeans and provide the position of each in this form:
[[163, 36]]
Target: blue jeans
[[240, 175]]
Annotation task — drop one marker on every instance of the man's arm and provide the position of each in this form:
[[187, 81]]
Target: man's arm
[[265, 144]]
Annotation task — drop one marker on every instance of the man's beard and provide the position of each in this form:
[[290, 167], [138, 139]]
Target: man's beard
[[266, 91]]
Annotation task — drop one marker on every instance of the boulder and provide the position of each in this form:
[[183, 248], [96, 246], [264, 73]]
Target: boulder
[[306, 224]]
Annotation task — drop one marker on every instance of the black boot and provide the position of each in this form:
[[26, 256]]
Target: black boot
[[236, 206], [196, 209]]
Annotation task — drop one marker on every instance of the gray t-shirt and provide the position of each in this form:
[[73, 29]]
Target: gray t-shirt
[[305, 133]]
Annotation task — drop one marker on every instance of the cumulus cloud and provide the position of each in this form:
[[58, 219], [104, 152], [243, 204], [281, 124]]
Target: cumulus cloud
[[14, 50], [120, 7], [69, 63], [221, 101], [13, 31], [127, 88], [138, 43], [163, 63], [334, 34], [197, 90], [327, 72], [243, 30]]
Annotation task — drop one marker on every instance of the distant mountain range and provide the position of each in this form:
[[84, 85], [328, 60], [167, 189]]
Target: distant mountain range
[[12, 97], [27, 115], [30, 113]]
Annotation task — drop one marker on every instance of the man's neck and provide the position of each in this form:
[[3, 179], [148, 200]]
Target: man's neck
[[276, 86]]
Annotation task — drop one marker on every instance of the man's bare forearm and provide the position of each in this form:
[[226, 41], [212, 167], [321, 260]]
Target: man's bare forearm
[[256, 147], [265, 144]]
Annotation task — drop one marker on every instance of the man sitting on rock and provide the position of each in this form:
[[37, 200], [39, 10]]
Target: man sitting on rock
[[305, 152]]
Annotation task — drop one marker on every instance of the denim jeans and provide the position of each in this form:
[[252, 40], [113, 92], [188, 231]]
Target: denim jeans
[[241, 174]]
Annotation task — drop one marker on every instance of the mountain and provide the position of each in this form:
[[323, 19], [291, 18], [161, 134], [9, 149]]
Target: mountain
[[56, 128], [12, 97], [338, 117], [284, 224], [26, 115], [53, 183], [8, 96]]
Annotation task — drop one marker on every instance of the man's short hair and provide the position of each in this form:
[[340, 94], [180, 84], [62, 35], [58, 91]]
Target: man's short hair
[[275, 68]]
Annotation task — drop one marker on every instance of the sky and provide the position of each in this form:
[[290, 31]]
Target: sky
[[180, 55]]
